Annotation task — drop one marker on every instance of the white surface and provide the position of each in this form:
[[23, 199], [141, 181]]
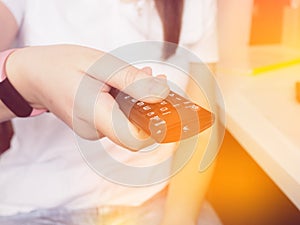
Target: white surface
[[264, 116]]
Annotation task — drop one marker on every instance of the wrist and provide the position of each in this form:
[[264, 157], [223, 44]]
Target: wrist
[[17, 93], [18, 75]]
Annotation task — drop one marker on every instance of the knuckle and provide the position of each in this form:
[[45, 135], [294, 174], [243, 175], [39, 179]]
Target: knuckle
[[130, 76]]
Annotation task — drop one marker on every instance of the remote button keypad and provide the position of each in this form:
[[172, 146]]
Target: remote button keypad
[[170, 120]]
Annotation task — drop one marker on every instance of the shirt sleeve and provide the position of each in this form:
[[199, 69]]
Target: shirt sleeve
[[199, 33], [17, 9]]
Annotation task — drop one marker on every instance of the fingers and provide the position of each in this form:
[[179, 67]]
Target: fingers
[[138, 83], [147, 70], [96, 114], [111, 121]]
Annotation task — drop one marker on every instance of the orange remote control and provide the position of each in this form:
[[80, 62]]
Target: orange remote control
[[173, 119]]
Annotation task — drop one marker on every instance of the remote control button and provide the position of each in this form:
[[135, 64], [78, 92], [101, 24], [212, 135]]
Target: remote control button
[[166, 113], [150, 114], [171, 94], [134, 100], [146, 108], [140, 103], [163, 103], [187, 102], [162, 122], [127, 97], [193, 107], [156, 118], [158, 132], [176, 99], [186, 129], [176, 105], [164, 109]]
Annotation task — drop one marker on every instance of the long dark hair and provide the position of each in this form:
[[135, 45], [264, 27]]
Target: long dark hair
[[170, 12], [6, 133]]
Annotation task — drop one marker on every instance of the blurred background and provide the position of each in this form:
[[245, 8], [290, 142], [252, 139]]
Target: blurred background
[[257, 180]]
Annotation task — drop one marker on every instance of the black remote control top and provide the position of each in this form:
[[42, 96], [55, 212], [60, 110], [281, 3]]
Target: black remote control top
[[173, 119]]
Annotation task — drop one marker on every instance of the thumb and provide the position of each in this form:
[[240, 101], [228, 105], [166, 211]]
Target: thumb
[[137, 83]]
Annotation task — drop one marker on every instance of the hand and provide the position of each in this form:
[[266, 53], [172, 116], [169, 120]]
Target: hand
[[49, 77]]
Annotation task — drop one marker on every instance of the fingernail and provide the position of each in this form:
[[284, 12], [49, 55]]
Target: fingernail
[[158, 88], [161, 76]]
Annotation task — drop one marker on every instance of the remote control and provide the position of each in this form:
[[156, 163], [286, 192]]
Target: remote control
[[173, 119]]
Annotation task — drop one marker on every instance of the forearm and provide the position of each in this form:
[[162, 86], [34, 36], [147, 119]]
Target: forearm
[[188, 188], [8, 27]]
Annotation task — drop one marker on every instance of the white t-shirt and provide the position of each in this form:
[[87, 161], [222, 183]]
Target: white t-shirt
[[44, 168]]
